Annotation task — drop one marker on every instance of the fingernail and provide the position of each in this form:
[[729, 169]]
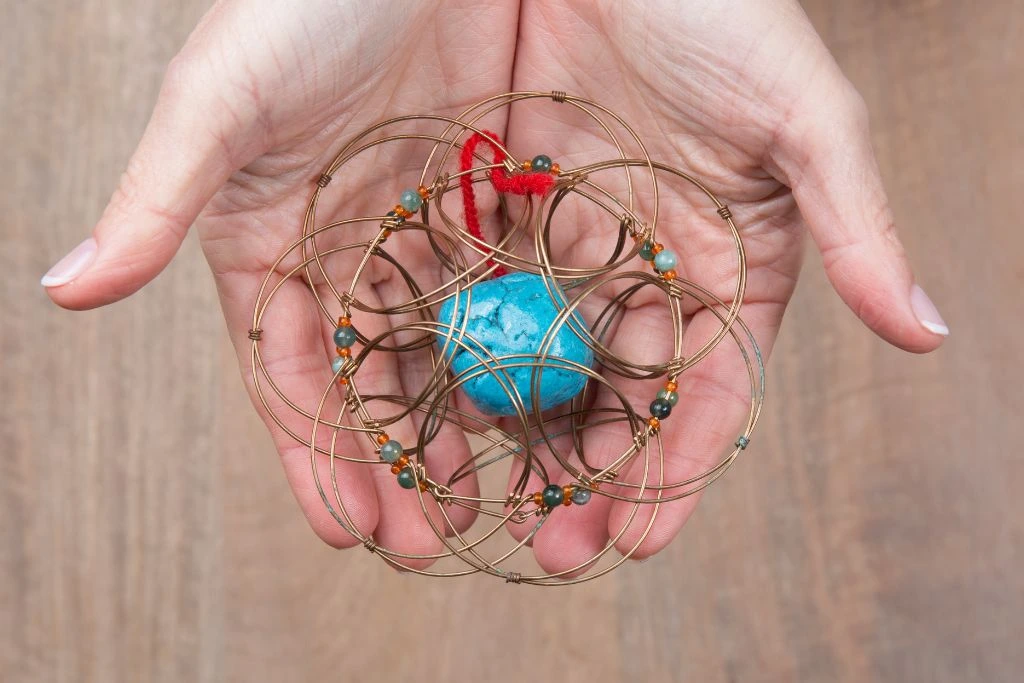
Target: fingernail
[[926, 312], [71, 266]]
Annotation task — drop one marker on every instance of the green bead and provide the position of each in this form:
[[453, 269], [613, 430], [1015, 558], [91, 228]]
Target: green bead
[[581, 496], [660, 408], [670, 396], [344, 337], [553, 495], [336, 364], [391, 451], [541, 163], [411, 200], [406, 478], [647, 250]]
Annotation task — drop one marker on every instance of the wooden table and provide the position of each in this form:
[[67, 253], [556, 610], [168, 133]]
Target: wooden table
[[875, 532]]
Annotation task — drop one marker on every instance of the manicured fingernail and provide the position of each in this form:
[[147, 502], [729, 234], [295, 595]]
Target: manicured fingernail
[[926, 312], [71, 266]]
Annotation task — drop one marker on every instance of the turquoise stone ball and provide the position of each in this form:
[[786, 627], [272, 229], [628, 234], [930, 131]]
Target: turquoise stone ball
[[509, 318]]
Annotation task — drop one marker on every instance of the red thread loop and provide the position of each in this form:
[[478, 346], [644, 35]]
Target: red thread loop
[[515, 183]]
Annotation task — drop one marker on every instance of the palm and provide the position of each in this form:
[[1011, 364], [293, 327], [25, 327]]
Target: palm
[[718, 125], [743, 95], [256, 214]]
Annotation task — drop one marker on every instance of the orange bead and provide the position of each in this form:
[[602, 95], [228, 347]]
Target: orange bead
[[402, 461], [402, 211], [344, 321], [555, 169], [653, 423], [423, 192], [342, 381], [383, 438], [395, 469], [669, 275], [671, 385], [566, 495], [659, 247], [344, 352], [423, 485], [527, 165], [538, 498], [386, 234]]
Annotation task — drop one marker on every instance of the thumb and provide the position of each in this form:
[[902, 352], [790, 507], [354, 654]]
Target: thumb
[[177, 167], [827, 158]]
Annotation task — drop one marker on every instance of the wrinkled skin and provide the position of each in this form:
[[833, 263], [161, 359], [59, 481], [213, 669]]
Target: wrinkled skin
[[743, 94]]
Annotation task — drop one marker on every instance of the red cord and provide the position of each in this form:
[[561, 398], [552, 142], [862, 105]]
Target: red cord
[[516, 183]]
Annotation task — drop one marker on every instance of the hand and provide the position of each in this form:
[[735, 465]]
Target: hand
[[744, 95]]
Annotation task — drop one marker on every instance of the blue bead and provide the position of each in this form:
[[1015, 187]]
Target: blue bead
[[391, 451], [345, 337], [391, 215], [581, 496], [336, 364], [647, 250], [509, 317], [411, 200], [665, 260], [406, 478], [541, 163], [553, 495], [670, 396]]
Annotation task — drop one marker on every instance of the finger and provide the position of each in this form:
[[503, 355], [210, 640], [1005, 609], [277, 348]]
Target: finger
[[576, 535], [826, 156], [296, 360], [181, 161], [402, 527], [714, 401]]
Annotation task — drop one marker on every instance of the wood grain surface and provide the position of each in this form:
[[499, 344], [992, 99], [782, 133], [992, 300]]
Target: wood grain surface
[[874, 531]]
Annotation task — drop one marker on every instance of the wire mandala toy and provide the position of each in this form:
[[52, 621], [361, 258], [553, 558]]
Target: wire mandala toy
[[524, 338]]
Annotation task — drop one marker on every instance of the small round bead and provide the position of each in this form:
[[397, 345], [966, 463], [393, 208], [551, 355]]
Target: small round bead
[[344, 321], [391, 451], [670, 396], [344, 336], [672, 385], [538, 498], [566, 495], [541, 163], [411, 200], [345, 352], [647, 250], [654, 423], [401, 212], [396, 468], [555, 169], [670, 275], [665, 260], [336, 364], [423, 192], [403, 461], [383, 438], [658, 248], [661, 408], [553, 495], [406, 478], [581, 496], [423, 486], [527, 165]]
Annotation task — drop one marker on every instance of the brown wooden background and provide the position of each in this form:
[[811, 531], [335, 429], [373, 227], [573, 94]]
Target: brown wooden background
[[875, 532]]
